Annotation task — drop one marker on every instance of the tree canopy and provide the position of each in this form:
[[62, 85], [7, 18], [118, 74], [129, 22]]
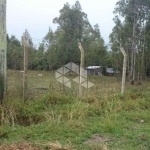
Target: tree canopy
[[131, 31], [61, 46]]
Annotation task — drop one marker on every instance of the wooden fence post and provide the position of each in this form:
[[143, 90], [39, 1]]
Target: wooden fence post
[[24, 40], [81, 68], [3, 48]]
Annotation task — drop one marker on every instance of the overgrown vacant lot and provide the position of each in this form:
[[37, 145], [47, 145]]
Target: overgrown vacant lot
[[102, 119]]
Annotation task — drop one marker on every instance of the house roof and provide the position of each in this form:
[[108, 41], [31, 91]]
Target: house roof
[[93, 67]]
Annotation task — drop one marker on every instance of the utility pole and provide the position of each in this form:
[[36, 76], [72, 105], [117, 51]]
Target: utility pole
[[3, 47]]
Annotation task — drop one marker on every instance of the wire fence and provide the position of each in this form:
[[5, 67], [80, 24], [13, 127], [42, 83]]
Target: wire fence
[[40, 83]]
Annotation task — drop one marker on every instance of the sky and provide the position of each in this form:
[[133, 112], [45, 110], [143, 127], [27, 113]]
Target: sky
[[37, 16]]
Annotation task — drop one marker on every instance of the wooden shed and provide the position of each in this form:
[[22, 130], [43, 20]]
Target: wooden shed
[[94, 70]]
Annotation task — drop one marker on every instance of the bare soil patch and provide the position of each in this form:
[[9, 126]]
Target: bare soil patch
[[96, 138]]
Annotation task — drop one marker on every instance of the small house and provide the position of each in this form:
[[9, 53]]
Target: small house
[[94, 70]]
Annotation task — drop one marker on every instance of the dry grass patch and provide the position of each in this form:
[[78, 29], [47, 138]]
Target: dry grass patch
[[39, 146], [25, 146]]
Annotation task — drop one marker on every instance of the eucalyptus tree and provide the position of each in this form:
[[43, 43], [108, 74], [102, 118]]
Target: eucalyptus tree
[[132, 32], [29, 48], [73, 27], [71, 21], [95, 50]]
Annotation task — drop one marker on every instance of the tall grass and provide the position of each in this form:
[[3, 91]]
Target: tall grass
[[1, 88], [56, 115]]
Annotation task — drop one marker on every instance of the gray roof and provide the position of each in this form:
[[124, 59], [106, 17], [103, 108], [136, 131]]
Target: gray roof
[[93, 67]]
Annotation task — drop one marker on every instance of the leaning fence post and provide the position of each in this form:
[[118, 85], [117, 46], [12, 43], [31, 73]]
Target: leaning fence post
[[81, 68], [124, 70]]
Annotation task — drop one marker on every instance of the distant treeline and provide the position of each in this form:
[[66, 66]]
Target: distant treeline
[[61, 46]]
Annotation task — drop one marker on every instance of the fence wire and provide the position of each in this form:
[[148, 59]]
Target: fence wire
[[40, 83]]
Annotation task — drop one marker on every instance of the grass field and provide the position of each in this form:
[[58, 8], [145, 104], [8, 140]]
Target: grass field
[[54, 117]]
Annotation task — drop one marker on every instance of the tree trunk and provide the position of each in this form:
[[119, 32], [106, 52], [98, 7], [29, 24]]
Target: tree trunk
[[133, 57]]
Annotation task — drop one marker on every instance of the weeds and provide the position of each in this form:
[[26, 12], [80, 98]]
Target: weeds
[[55, 116], [1, 88]]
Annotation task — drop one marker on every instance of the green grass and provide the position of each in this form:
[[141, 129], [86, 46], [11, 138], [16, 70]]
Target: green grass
[[69, 120]]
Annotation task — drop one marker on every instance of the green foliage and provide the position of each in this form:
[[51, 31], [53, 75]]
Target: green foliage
[[14, 53], [18, 113], [54, 99], [71, 25], [131, 32]]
